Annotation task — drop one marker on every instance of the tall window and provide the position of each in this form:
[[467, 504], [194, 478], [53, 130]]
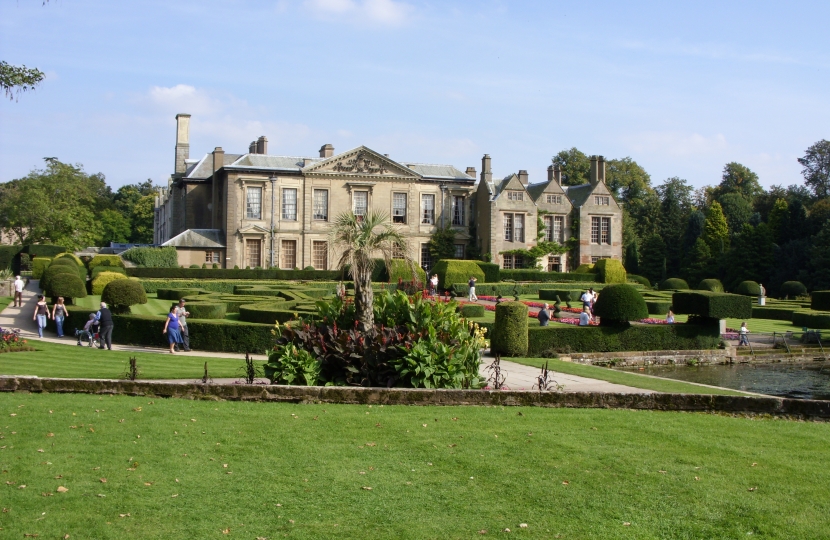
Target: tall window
[[555, 229], [320, 255], [253, 253], [457, 210], [289, 254], [508, 228], [428, 208], [253, 206], [399, 208], [289, 204], [361, 203], [321, 205], [519, 225], [459, 251], [600, 230], [426, 258], [602, 200]]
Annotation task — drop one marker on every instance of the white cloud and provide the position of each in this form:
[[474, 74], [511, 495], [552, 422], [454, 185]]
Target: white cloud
[[389, 12], [676, 144], [184, 98]]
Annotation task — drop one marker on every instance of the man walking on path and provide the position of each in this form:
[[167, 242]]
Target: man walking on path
[[105, 320], [182, 314], [18, 292], [472, 285]]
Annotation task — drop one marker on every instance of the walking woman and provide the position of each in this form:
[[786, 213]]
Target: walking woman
[[171, 328], [59, 313], [41, 314]]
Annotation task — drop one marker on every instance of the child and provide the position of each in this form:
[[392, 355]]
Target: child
[[743, 334]]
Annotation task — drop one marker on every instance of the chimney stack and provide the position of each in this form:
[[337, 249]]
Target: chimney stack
[[523, 177], [471, 172], [182, 142], [601, 169], [557, 174], [218, 158], [252, 147], [326, 151], [550, 173], [593, 174], [486, 173], [262, 145]]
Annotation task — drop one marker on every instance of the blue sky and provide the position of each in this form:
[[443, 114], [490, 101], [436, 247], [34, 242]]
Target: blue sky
[[682, 88]]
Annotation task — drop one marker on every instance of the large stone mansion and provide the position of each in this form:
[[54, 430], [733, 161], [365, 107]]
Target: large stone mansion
[[262, 210]]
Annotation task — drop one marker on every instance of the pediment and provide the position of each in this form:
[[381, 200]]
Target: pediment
[[362, 162], [253, 229]]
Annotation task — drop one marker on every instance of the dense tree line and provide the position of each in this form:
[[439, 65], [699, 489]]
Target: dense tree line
[[63, 205], [734, 231]]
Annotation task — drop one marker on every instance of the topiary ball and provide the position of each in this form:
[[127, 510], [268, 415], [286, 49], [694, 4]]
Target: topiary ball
[[68, 285], [54, 270], [639, 279], [98, 269], [791, 289], [123, 293], [619, 304], [748, 288], [103, 279], [510, 330], [472, 310], [712, 285], [674, 284]]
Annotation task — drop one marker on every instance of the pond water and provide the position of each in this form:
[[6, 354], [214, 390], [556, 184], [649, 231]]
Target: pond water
[[800, 381]]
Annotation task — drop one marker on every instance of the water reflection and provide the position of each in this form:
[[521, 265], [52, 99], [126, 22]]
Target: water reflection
[[800, 381]]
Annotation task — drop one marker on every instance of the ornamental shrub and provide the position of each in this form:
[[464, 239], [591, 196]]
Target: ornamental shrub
[[748, 288], [642, 280], [610, 271], [98, 269], [196, 266], [72, 256], [711, 285], [792, 289], [491, 271], [206, 310], [619, 304], [69, 263], [106, 260], [674, 284], [39, 264], [104, 279], [472, 310], [271, 312], [8, 254], [545, 277], [585, 268], [712, 305], [399, 270], [177, 294], [53, 270], [510, 330], [564, 295], [236, 273], [564, 338], [152, 257], [773, 313], [68, 285], [44, 250], [814, 320], [656, 307], [820, 300], [452, 271], [123, 293]]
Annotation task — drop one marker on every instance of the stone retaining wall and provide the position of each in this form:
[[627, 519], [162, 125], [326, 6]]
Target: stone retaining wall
[[695, 357], [813, 409]]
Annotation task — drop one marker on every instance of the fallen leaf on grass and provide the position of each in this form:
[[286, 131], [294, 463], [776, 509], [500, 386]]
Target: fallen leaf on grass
[[124, 515], [626, 524], [225, 465], [292, 521], [103, 480], [148, 483], [47, 494], [752, 488], [121, 421], [13, 414], [754, 464], [523, 525], [362, 472], [62, 489], [174, 496], [58, 476], [21, 486], [452, 445], [50, 434], [66, 536], [367, 488], [192, 419], [41, 450], [505, 530], [137, 409], [565, 482], [482, 531], [226, 531], [697, 478], [96, 468], [662, 472], [101, 495], [27, 535]]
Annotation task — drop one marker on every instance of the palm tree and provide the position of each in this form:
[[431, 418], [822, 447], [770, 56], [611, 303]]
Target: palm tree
[[360, 238]]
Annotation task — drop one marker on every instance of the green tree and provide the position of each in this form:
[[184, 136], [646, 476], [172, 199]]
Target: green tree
[[675, 205], [141, 218], [113, 227], [819, 214], [699, 263], [632, 258], [738, 179], [442, 243], [819, 261], [359, 240], [715, 230], [779, 218], [751, 256], [816, 172], [15, 80], [575, 166], [653, 258], [736, 209], [631, 186]]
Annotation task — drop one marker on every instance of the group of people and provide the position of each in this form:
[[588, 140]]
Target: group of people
[[176, 327], [42, 314]]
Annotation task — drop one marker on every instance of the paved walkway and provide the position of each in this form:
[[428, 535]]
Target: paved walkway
[[519, 377]]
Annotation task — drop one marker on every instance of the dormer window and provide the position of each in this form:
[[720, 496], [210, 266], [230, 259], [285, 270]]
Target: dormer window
[[602, 200], [515, 195], [554, 199]]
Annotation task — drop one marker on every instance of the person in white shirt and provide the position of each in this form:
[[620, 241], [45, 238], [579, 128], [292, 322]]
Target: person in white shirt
[[584, 318], [18, 292]]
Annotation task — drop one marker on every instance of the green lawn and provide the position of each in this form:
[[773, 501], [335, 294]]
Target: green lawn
[[56, 360], [154, 306], [156, 468], [623, 377], [5, 301]]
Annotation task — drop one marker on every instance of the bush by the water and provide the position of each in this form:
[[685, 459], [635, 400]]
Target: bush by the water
[[748, 288], [812, 319], [123, 293], [620, 303], [820, 300], [510, 330], [610, 271], [792, 289], [152, 257], [68, 285], [711, 285], [103, 279], [711, 305], [674, 284]]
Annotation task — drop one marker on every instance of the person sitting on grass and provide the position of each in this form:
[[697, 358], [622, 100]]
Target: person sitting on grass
[[584, 318], [171, 328], [670, 317]]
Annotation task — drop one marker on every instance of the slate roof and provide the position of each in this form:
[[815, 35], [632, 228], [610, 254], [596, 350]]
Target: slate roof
[[536, 190], [204, 167], [579, 194], [439, 172], [263, 161], [197, 238]]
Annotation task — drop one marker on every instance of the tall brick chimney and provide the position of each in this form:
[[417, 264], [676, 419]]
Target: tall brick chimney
[[182, 142], [471, 172], [262, 145], [252, 147], [218, 158], [486, 173], [597, 170], [523, 177], [555, 174], [326, 151]]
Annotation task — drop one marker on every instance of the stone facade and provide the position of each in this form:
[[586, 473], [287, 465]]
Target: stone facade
[[270, 210]]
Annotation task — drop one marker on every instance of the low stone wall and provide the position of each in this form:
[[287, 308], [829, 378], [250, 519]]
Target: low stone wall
[[812, 409], [650, 358]]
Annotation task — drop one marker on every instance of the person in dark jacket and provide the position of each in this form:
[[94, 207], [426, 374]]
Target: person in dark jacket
[[105, 320]]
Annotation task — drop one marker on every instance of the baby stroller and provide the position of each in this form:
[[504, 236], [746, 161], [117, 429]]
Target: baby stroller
[[90, 337]]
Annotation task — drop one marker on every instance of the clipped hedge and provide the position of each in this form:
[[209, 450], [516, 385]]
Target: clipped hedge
[[235, 273], [206, 310], [104, 279], [547, 277], [106, 260], [70, 256], [68, 285], [506, 289], [54, 270], [812, 319], [152, 257], [178, 294], [674, 284], [820, 300], [472, 310], [585, 268], [269, 313], [123, 293], [564, 295], [69, 263], [712, 285], [620, 303], [510, 329], [8, 254], [452, 271], [712, 305], [39, 264], [748, 288], [792, 289], [773, 313], [638, 337], [44, 250], [491, 271], [642, 280], [610, 271], [98, 269], [398, 269], [656, 307]]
